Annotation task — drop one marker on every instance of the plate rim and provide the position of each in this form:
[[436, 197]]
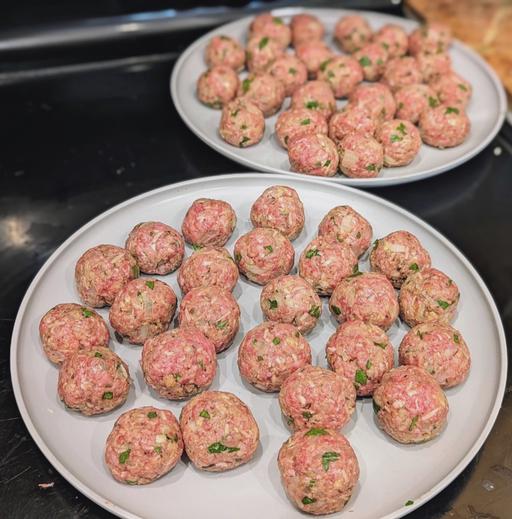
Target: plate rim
[[340, 179], [104, 502]]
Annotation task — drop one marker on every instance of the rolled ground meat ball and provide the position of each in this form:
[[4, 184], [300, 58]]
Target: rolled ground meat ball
[[342, 73], [352, 32], [270, 352], [345, 225], [315, 397], [298, 121], [142, 309], [291, 299], [214, 311], [433, 66], [440, 350], [444, 126], [223, 50], [361, 156], [242, 123], [324, 263], [367, 296], [398, 255], [433, 38], [319, 470], [208, 267], [413, 100], [265, 91], [401, 72], [93, 381], [372, 58], [219, 430], [401, 142], [69, 327], [279, 207], [144, 444], [290, 71], [217, 86], [351, 119], [313, 154], [410, 405], [208, 222], [452, 90], [306, 27], [179, 363], [428, 295], [266, 24], [263, 254], [157, 247], [261, 52], [313, 53], [393, 39], [374, 98], [360, 352], [101, 272], [315, 95]]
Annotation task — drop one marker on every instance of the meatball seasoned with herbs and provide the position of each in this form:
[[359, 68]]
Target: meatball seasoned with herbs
[[372, 58], [352, 32], [266, 24], [433, 66], [374, 98], [217, 86], [393, 39], [290, 71], [401, 72], [433, 38], [313, 53], [313, 154], [315, 95], [444, 126], [261, 52], [305, 28], [452, 90], [361, 156], [342, 73], [298, 121], [265, 91], [223, 50], [242, 123], [400, 140], [413, 100], [351, 119]]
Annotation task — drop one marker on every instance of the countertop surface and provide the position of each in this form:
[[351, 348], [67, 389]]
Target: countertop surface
[[79, 140]]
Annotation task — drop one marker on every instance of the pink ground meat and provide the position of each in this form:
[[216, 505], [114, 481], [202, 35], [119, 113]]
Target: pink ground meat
[[433, 66], [290, 71], [361, 156], [313, 154], [217, 86], [372, 58], [374, 98], [179, 363], [315, 95], [265, 91], [69, 327], [306, 27], [351, 119], [352, 32], [401, 72], [452, 90], [271, 26], [401, 142], [393, 39], [413, 100], [223, 50], [444, 126], [298, 121], [242, 123], [433, 38], [342, 73], [261, 52], [313, 53]]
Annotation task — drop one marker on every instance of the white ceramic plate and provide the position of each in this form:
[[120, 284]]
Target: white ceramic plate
[[486, 110], [391, 474]]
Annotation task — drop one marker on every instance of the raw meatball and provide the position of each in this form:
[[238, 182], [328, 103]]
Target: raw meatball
[[219, 430], [290, 71], [214, 311], [352, 32], [263, 254], [242, 123], [410, 405], [398, 255], [444, 126], [342, 73], [413, 100], [298, 121], [401, 142], [217, 86], [266, 24], [316, 397], [393, 39], [319, 470], [452, 90], [208, 267], [93, 381], [305, 28], [279, 207], [313, 53], [367, 296], [157, 247], [208, 222], [265, 91], [313, 154], [315, 95], [179, 363], [433, 38], [142, 309], [361, 156], [144, 444], [345, 225], [374, 98], [401, 72], [372, 58], [433, 66], [440, 350], [324, 263], [223, 50], [270, 353], [291, 299], [360, 352], [69, 327], [261, 52], [101, 272], [428, 295], [351, 119]]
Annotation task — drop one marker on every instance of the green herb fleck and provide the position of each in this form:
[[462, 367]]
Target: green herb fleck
[[235, 113], [86, 312], [400, 106], [464, 88], [414, 266], [158, 449], [380, 61], [150, 284], [246, 84], [361, 378], [307, 415], [456, 338], [308, 500], [238, 256], [401, 129], [314, 311], [382, 345], [413, 423], [330, 74], [244, 140], [329, 457], [123, 457], [409, 503], [326, 163], [135, 271], [443, 304], [263, 42], [395, 138], [220, 325], [276, 340], [324, 64], [433, 102], [368, 364], [336, 310], [371, 167], [204, 414], [277, 21], [451, 110], [152, 414], [365, 61], [195, 246], [355, 271], [98, 354], [376, 407], [259, 358], [272, 303], [312, 105], [375, 244], [108, 395], [218, 447], [316, 431], [292, 71], [304, 122], [384, 45], [312, 252], [269, 248]]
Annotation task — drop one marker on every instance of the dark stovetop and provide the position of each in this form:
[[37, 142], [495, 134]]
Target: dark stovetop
[[78, 141]]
